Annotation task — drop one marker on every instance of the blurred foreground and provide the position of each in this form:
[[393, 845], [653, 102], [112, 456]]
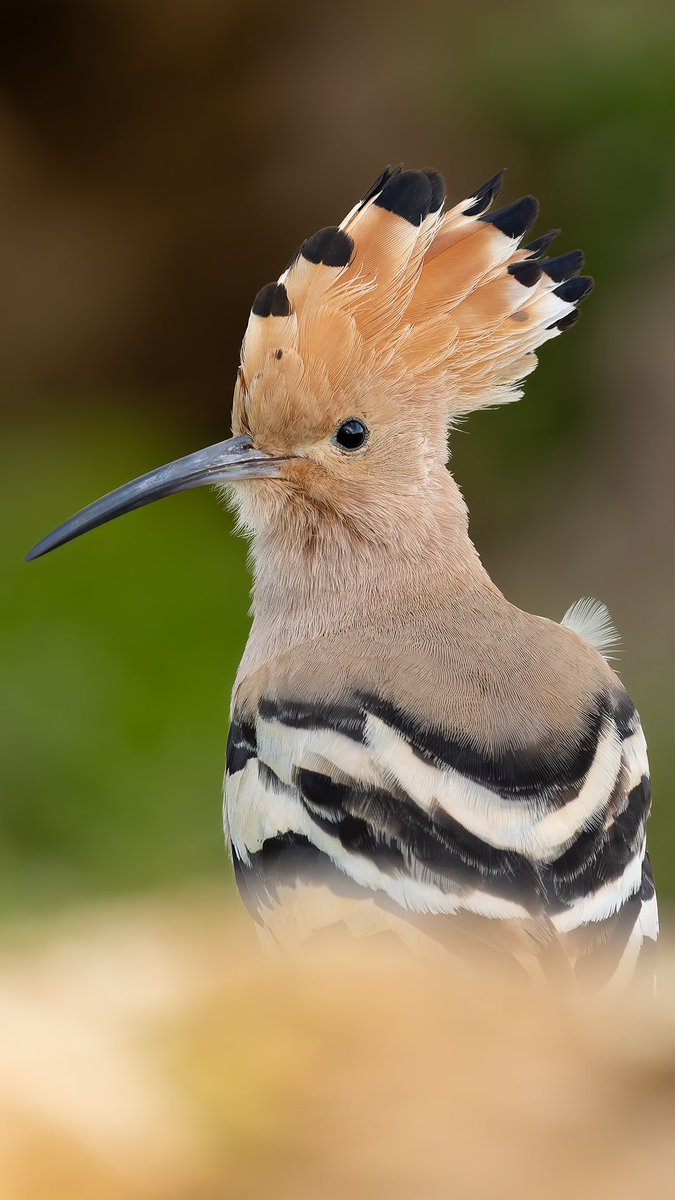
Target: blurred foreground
[[160, 163], [150, 1051]]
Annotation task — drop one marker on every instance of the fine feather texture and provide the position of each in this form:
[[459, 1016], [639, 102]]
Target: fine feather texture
[[592, 621], [406, 827], [442, 306]]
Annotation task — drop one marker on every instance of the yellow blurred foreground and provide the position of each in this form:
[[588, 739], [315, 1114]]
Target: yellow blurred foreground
[[149, 1051]]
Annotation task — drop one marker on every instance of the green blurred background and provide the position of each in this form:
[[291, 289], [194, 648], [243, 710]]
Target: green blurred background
[[159, 163]]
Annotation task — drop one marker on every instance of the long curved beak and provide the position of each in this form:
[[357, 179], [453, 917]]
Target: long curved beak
[[236, 458]]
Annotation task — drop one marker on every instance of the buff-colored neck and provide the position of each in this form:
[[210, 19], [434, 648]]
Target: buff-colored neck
[[314, 579]]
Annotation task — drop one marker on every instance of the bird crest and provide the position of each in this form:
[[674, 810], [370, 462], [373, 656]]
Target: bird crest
[[408, 304]]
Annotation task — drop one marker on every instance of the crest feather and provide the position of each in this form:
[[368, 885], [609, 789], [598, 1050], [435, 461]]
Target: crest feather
[[449, 307]]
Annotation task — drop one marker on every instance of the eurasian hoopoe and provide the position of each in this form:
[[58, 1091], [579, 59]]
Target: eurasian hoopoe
[[407, 749]]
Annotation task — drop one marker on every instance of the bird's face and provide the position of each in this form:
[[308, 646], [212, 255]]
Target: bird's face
[[358, 460], [352, 461], [348, 453]]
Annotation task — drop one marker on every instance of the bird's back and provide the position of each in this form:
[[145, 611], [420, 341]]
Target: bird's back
[[479, 784]]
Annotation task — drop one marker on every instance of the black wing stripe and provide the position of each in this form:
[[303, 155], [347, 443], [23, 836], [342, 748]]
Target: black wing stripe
[[647, 890], [241, 745], [542, 771], [291, 860], [535, 771], [396, 833], [421, 842], [600, 855]]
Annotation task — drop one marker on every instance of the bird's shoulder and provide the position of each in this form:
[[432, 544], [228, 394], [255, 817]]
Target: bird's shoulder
[[511, 784], [496, 677]]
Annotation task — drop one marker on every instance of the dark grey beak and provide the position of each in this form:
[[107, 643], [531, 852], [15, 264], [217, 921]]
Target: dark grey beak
[[237, 458]]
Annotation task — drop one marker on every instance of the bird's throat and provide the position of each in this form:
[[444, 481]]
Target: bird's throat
[[315, 579]]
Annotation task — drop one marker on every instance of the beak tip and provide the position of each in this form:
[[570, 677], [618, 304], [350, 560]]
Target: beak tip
[[40, 548], [233, 459]]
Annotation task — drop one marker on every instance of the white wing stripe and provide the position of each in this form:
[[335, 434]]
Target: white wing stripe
[[507, 824], [255, 814], [605, 901], [260, 808], [286, 748], [635, 758]]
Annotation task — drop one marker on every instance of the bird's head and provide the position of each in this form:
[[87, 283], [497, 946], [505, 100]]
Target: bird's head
[[379, 334], [317, 395]]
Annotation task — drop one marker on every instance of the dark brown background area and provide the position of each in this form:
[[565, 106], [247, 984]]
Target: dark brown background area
[[159, 163]]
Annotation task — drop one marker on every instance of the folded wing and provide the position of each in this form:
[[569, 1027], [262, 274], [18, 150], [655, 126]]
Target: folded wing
[[363, 816]]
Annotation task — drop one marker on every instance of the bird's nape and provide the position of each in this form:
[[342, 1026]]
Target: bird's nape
[[225, 462]]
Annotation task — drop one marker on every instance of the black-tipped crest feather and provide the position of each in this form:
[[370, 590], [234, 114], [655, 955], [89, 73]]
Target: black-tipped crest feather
[[384, 176], [527, 272], [485, 195], [541, 244], [330, 246], [564, 266], [575, 290], [438, 189], [272, 301], [407, 195], [516, 218], [566, 322]]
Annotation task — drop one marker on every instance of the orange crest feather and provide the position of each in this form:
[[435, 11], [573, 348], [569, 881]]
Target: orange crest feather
[[443, 309]]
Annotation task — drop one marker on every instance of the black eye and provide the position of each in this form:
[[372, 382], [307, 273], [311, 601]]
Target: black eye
[[351, 435]]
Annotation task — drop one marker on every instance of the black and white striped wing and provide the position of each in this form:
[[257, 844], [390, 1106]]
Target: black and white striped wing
[[360, 815]]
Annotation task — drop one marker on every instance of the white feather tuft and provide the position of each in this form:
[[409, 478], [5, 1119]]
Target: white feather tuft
[[592, 621]]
